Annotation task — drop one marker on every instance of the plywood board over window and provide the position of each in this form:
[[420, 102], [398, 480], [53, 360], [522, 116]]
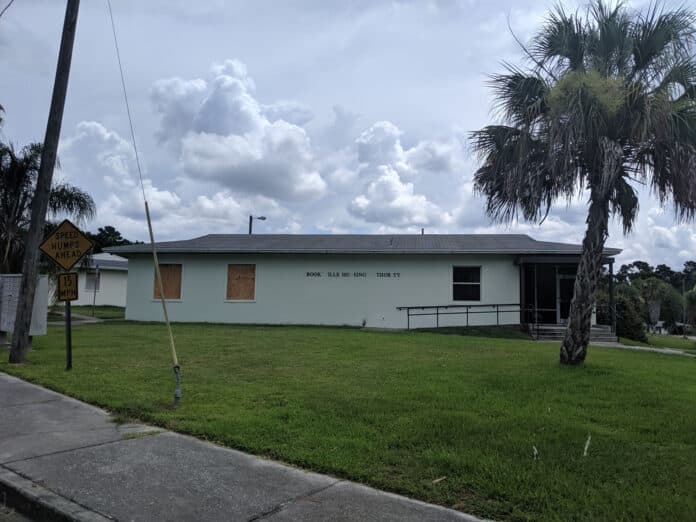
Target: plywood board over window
[[241, 282], [171, 281]]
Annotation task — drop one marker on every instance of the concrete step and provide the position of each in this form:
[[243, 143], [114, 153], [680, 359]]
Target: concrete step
[[592, 339], [560, 327], [555, 332]]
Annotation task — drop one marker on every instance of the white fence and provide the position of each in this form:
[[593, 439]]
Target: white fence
[[9, 298]]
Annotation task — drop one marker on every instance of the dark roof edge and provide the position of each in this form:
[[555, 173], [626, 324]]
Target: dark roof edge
[[607, 252]]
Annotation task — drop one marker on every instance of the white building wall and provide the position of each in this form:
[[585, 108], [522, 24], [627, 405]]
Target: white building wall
[[285, 294], [112, 288]]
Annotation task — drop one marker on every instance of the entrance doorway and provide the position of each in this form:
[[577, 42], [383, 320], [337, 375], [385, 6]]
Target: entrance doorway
[[564, 285]]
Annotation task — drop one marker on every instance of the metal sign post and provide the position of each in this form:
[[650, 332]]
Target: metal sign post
[[67, 291], [68, 337], [96, 283], [66, 246]]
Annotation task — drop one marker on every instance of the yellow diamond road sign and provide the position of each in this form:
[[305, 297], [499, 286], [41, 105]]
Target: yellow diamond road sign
[[66, 246]]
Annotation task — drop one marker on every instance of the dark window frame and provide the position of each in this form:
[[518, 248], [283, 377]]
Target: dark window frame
[[470, 284], [96, 280]]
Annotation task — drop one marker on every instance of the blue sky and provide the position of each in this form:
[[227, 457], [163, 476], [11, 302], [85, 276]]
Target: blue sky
[[323, 116]]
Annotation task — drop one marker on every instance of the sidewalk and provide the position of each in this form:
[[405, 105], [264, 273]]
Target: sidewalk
[[77, 319], [663, 351], [72, 459]]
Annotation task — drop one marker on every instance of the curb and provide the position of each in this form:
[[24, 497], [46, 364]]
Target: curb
[[41, 504]]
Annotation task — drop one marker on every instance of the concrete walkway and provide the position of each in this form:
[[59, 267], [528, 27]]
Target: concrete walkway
[[68, 458], [76, 320], [664, 351]]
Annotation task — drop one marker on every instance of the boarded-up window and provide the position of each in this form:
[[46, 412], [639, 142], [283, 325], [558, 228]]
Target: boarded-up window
[[241, 282], [171, 282]]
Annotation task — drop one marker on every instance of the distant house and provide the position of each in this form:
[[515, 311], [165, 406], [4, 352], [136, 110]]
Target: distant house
[[660, 327], [105, 282], [383, 281]]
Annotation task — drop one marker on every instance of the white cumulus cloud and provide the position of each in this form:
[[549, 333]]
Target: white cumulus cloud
[[225, 135], [389, 200], [389, 171]]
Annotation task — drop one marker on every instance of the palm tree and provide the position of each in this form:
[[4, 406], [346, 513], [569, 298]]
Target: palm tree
[[607, 100], [653, 290], [18, 173]]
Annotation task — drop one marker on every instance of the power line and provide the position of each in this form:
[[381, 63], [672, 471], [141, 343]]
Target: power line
[[125, 97], [6, 8], [158, 274]]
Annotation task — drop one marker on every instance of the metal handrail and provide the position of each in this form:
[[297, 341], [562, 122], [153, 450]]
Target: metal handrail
[[496, 308]]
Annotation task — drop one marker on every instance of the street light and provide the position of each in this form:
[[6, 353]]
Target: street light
[[252, 218]]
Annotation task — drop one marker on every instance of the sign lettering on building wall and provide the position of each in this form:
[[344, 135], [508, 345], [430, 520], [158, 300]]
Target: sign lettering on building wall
[[359, 275]]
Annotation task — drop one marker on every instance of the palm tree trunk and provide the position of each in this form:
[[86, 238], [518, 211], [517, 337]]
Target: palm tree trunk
[[577, 334], [5, 267]]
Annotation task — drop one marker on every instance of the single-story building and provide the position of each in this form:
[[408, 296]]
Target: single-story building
[[381, 281], [103, 282]]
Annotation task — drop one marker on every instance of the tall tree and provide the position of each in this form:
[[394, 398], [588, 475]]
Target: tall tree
[[18, 173], [608, 100], [668, 275], [635, 270], [107, 236], [689, 274], [654, 291]]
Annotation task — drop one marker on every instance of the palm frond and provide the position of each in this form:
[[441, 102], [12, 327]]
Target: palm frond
[[659, 37], [624, 202], [609, 45], [520, 97], [68, 199], [514, 175], [561, 42]]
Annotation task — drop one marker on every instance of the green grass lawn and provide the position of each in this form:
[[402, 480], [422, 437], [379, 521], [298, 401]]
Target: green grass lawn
[[665, 341], [672, 341], [501, 332], [400, 410], [100, 311]]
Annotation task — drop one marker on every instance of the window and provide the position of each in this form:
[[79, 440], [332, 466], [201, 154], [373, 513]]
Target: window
[[466, 283], [171, 282], [93, 281], [241, 282]]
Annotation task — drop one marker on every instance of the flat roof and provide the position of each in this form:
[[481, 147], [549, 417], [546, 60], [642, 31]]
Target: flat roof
[[107, 261], [358, 244]]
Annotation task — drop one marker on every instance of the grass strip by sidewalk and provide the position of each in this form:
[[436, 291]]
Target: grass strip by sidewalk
[[401, 410], [99, 311]]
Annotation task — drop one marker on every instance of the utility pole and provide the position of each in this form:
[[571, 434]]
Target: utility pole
[[39, 204]]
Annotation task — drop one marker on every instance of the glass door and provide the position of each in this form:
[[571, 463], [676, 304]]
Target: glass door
[[565, 285]]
